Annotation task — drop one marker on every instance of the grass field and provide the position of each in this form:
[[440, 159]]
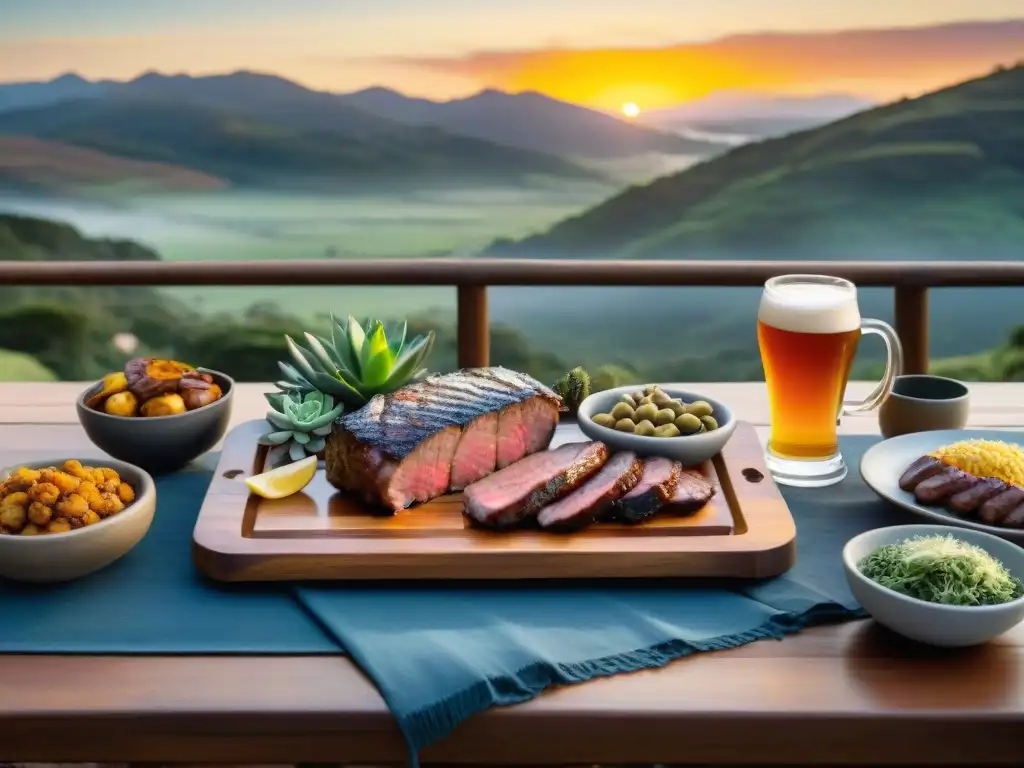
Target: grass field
[[15, 366]]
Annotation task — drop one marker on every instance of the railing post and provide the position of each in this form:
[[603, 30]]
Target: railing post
[[474, 327], [912, 326]]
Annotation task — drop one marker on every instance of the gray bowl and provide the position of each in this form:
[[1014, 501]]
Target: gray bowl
[[690, 450], [945, 626], [159, 444]]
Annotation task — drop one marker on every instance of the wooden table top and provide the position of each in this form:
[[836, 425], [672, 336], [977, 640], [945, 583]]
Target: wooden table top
[[851, 694]]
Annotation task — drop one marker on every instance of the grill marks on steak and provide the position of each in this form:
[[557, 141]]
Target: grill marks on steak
[[992, 501], [407, 446], [518, 492], [398, 422], [590, 501]]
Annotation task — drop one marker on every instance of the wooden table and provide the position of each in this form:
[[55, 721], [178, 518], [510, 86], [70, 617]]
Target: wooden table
[[851, 694]]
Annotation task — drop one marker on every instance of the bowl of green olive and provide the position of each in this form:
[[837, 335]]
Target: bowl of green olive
[[658, 420]]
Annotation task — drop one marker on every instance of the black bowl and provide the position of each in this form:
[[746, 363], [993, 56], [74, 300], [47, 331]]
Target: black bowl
[[159, 444]]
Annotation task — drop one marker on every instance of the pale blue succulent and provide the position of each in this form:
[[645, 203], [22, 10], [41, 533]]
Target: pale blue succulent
[[301, 424]]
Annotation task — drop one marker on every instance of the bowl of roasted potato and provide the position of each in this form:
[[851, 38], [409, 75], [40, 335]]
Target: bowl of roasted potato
[[157, 414], [66, 518]]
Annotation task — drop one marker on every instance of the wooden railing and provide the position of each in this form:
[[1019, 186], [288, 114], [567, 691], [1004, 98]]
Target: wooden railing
[[472, 277]]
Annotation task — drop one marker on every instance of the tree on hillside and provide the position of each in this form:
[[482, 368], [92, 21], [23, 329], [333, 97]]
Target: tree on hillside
[[56, 336]]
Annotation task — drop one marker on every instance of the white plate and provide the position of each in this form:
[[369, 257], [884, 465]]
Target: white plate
[[884, 463]]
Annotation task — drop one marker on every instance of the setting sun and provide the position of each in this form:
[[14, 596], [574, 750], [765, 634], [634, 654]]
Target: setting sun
[[629, 109]]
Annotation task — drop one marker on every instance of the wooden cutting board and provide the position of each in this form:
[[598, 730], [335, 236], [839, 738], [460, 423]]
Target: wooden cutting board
[[746, 530]]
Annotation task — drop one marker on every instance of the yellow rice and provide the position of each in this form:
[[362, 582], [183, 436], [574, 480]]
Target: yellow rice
[[985, 458]]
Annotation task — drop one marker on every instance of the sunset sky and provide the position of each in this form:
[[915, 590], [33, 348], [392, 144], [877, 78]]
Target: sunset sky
[[596, 52]]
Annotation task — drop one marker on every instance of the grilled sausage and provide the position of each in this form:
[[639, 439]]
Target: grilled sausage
[[1015, 518], [920, 470], [998, 507], [937, 488], [969, 500]]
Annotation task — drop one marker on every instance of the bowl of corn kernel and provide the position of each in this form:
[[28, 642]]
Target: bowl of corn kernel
[[64, 519]]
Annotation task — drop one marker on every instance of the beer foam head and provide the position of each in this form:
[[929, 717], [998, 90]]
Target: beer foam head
[[810, 306]]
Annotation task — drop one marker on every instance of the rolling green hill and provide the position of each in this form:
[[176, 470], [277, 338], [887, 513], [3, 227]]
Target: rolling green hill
[[18, 366], [254, 150], [937, 177]]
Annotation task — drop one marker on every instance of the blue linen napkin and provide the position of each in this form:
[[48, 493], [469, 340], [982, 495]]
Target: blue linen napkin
[[153, 601], [440, 653]]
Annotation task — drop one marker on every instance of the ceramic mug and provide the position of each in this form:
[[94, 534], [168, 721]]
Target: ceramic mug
[[922, 403]]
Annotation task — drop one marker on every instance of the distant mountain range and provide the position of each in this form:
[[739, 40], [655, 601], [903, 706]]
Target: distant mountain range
[[254, 129], [530, 121], [941, 176], [260, 130]]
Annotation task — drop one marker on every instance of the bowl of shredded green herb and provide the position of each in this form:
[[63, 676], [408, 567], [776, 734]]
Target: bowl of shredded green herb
[[928, 585]]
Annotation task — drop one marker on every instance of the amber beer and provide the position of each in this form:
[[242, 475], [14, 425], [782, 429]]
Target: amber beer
[[808, 329]]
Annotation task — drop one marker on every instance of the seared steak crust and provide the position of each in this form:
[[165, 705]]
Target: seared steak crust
[[407, 446]]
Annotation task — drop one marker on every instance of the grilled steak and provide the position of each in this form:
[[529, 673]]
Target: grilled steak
[[516, 493], [407, 446], [692, 492], [657, 484], [591, 500]]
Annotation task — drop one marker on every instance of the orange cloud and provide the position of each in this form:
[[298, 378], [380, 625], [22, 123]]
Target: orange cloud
[[882, 64]]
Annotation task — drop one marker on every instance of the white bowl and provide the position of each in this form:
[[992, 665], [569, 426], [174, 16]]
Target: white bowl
[[57, 557], [690, 450], [947, 626]]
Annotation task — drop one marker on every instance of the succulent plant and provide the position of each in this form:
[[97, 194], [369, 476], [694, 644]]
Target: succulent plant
[[301, 424], [573, 388], [357, 362]]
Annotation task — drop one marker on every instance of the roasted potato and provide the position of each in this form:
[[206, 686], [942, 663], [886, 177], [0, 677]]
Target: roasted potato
[[164, 405], [197, 392], [122, 404], [148, 378], [112, 384]]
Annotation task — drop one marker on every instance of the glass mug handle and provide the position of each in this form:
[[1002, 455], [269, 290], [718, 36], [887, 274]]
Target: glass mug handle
[[893, 368]]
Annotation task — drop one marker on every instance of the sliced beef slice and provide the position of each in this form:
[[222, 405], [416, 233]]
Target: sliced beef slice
[[382, 480], [425, 473], [591, 500], [525, 428], [692, 492], [516, 493], [657, 484], [477, 452]]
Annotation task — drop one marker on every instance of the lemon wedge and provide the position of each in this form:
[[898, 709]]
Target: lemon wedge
[[283, 481]]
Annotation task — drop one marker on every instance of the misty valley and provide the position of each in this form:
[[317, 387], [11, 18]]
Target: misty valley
[[248, 166]]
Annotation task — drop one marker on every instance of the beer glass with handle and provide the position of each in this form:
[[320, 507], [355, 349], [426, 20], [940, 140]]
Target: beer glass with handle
[[808, 329]]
